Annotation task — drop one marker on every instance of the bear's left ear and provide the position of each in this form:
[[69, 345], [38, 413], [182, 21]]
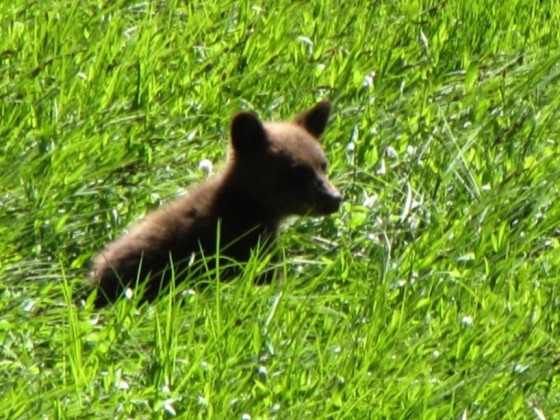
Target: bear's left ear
[[247, 133], [315, 119]]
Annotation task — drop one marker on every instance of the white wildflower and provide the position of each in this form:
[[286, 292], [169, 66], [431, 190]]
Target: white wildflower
[[122, 385], [167, 406], [368, 80], [520, 368], [411, 150], [307, 42], [467, 320], [382, 169], [206, 166], [370, 200], [391, 152]]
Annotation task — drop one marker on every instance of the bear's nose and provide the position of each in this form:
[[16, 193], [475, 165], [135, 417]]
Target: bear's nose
[[333, 202]]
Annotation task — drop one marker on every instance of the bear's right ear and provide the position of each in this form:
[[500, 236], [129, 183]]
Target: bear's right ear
[[315, 119], [247, 133]]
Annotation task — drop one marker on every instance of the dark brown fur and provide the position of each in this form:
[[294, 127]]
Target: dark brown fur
[[274, 170]]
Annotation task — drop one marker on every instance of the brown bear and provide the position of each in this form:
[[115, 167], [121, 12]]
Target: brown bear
[[274, 170]]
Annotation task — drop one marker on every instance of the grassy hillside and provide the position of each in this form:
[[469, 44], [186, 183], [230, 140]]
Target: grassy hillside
[[432, 294]]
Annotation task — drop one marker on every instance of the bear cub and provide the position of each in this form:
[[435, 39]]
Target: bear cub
[[274, 170]]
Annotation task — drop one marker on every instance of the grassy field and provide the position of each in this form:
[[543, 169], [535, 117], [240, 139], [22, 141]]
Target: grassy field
[[433, 293]]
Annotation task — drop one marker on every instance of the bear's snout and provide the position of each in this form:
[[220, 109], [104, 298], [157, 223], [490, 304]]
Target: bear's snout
[[329, 199]]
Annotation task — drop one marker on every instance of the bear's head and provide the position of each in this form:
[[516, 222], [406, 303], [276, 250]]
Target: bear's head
[[282, 164]]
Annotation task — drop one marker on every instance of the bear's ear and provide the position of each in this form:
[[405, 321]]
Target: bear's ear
[[247, 133], [315, 119]]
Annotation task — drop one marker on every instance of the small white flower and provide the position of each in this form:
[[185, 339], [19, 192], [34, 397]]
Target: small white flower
[[370, 200], [436, 354], [368, 80], [520, 368], [410, 150], [29, 304], [129, 293], [469, 256], [382, 169], [206, 166], [94, 320], [307, 42], [122, 385], [467, 320], [167, 406], [245, 416], [413, 222], [391, 152], [416, 204]]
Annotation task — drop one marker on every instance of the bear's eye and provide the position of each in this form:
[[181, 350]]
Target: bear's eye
[[324, 167], [301, 173]]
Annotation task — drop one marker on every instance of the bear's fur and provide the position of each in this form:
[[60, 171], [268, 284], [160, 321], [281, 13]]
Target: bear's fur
[[274, 170]]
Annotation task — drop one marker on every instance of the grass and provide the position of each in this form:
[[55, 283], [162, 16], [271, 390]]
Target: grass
[[432, 294]]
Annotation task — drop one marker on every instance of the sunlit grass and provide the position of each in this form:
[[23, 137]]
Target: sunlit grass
[[432, 294]]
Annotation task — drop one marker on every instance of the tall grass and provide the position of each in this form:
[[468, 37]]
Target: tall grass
[[432, 294]]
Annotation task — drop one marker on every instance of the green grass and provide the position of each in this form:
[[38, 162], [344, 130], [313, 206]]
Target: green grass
[[432, 294]]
